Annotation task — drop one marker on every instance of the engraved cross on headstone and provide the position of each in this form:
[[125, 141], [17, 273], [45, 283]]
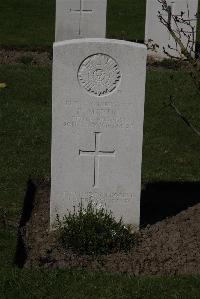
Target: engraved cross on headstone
[[80, 11], [96, 154]]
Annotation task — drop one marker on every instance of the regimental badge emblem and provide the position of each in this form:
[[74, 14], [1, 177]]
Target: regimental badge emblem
[[99, 74]]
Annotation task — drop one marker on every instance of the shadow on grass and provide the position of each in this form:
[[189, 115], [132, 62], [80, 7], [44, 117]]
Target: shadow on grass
[[20, 254], [158, 201], [166, 199]]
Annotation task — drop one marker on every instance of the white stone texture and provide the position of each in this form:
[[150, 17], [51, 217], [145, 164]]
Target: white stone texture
[[80, 19], [157, 32], [98, 107]]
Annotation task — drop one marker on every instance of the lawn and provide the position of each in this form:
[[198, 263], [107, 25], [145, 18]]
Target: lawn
[[171, 153], [126, 19], [26, 23], [31, 23], [81, 284]]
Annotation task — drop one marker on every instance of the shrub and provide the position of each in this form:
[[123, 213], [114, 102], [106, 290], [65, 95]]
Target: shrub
[[94, 231]]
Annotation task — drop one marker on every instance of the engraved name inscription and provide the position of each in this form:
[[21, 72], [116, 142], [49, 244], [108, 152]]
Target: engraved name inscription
[[99, 115], [98, 196]]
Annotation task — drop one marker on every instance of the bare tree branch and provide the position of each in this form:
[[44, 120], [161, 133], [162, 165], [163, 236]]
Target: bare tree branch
[[188, 123], [181, 28]]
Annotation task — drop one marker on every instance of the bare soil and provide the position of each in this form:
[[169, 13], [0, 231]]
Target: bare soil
[[26, 57], [171, 246], [44, 58]]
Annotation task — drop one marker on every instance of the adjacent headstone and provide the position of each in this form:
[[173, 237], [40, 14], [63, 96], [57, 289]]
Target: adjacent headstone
[[157, 32], [98, 107], [80, 18]]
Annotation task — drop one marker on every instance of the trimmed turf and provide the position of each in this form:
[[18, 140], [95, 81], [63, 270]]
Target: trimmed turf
[[31, 23], [25, 122], [126, 19], [25, 128], [27, 23], [81, 284], [171, 150]]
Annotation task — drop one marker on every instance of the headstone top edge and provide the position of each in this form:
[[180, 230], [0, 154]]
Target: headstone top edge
[[99, 41]]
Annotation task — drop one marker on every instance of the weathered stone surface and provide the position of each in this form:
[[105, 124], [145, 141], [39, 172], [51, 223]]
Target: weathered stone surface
[[157, 32], [80, 19], [98, 107]]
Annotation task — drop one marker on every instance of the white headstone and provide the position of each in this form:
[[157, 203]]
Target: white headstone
[[80, 18], [98, 107], [157, 32]]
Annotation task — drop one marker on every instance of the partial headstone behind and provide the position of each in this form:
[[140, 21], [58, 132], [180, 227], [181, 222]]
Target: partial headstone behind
[[158, 33], [80, 19], [98, 111]]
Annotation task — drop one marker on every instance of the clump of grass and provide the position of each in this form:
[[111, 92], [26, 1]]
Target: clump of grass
[[94, 231], [26, 59], [170, 63]]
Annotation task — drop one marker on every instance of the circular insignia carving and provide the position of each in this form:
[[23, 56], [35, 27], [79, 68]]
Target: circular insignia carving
[[99, 74]]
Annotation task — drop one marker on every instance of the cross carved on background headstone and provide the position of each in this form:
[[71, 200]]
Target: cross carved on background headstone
[[80, 11]]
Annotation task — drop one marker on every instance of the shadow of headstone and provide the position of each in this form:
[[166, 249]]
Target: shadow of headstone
[[166, 199], [20, 254]]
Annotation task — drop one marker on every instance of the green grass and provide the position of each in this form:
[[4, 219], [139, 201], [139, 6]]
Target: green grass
[[25, 130], [27, 23], [81, 284], [31, 23], [25, 143], [171, 153], [126, 19]]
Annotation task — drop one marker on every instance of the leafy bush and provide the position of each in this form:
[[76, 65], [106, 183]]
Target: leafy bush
[[94, 231]]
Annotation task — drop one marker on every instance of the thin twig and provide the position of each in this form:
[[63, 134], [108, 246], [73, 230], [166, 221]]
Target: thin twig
[[196, 131]]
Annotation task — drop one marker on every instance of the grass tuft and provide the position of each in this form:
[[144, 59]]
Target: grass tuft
[[94, 231]]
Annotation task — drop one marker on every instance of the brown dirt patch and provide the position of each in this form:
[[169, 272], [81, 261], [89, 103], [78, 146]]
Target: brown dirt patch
[[26, 57], [171, 246], [44, 58]]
